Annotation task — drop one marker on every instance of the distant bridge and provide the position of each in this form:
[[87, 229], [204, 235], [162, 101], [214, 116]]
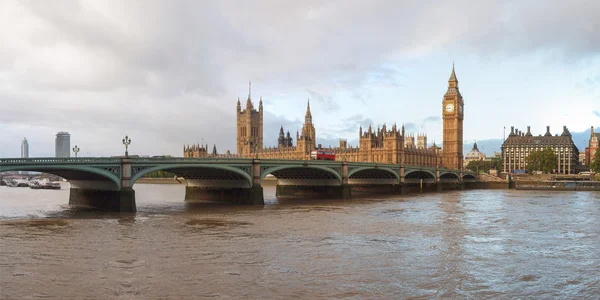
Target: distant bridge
[[106, 182]]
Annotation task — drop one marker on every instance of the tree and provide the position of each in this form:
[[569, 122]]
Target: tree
[[595, 165], [484, 165], [542, 160], [159, 174]]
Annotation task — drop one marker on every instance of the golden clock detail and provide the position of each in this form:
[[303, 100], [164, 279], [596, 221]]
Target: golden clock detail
[[449, 107]]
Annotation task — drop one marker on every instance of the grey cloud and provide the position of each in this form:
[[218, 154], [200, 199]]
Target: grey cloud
[[597, 113], [164, 71], [326, 101]]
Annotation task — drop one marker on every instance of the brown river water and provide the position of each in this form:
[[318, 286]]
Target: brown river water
[[478, 244]]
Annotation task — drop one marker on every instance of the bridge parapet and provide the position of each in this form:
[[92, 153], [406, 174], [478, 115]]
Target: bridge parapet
[[59, 160]]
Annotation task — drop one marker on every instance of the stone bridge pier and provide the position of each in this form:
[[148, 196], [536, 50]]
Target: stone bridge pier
[[105, 194]]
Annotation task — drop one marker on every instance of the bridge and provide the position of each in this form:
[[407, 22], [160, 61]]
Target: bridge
[[106, 183]]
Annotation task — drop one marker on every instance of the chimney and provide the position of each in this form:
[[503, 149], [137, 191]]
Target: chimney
[[512, 130], [548, 131], [528, 130]]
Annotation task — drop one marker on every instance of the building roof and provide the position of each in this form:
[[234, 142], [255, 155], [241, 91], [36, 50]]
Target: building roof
[[474, 153], [518, 138]]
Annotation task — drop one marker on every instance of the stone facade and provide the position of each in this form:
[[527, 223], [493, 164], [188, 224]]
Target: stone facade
[[381, 145], [249, 127], [518, 145], [195, 151], [453, 115], [594, 142]]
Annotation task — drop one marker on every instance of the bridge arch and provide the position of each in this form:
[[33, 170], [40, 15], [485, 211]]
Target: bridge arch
[[449, 175], [373, 173], [75, 173], [469, 177], [198, 171], [301, 172], [419, 174]]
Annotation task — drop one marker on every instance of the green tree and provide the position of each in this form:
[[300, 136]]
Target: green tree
[[159, 174], [484, 165], [595, 165], [542, 160], [533, 161]]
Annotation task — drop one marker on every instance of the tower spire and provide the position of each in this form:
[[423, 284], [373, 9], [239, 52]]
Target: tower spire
[[453, 75], [308, 114], [250, 87]]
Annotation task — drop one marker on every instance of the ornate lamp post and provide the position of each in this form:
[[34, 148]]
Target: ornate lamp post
[[76, 150], [126, 142]]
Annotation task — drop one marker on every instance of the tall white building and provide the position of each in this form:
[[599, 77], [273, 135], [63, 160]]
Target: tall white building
[[63, 144], [24, 149]]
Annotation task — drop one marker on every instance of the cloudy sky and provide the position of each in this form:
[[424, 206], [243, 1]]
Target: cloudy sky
[[169, 73]]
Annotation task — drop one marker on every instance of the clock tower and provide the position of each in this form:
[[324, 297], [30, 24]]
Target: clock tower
[[452, 115]]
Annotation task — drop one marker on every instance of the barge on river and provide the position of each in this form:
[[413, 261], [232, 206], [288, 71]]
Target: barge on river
[[558, 185]]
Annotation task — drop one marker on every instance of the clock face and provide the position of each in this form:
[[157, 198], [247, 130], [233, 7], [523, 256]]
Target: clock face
[[450, 107]]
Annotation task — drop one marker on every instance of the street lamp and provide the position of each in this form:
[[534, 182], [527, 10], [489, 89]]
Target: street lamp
[[126, 142], [76, 149]]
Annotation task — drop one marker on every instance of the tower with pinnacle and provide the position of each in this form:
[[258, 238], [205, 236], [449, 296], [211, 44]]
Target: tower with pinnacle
[[307, 141], [452, 115], [249, 136]]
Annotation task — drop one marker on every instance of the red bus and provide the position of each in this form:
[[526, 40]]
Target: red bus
[[322, 155]]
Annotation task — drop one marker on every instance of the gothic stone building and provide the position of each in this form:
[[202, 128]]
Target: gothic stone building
[[383, 145], [594, 143], [517, 147], [198, 151]]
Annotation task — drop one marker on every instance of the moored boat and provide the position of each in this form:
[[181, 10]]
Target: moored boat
[[18, 183], [34, 184], [52, 185]]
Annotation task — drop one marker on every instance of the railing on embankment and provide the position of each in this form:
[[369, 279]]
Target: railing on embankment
[[558, 185]]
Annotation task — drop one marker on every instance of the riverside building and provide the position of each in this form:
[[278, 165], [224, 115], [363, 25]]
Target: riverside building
[[517, 147], [24, 149], [63, 144]]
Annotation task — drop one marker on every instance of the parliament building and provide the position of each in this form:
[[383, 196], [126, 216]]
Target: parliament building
[[390, 145]]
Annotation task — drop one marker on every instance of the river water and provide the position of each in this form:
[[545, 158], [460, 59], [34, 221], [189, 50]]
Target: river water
[[467, 244]]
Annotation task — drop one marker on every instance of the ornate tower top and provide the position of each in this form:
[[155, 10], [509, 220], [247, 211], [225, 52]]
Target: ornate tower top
[[249, 101], [453, 76], [453, 83], [308, 117]]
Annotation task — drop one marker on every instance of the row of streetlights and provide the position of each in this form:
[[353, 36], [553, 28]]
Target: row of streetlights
[[126, 142]]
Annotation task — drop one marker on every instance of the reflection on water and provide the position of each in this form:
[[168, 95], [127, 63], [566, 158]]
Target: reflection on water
[[477, 244]]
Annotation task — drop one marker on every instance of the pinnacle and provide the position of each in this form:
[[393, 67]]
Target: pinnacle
[[453, 75]]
